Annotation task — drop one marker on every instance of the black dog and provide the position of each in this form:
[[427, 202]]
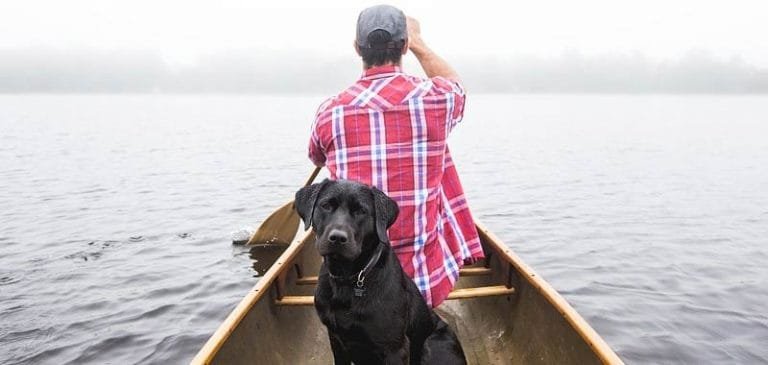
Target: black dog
[[373, 311]]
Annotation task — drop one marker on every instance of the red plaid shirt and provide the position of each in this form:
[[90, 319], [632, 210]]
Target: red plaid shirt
[[389, 130]]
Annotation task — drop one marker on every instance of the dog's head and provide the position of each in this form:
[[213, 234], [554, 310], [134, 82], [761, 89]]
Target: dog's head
[[345, 215]]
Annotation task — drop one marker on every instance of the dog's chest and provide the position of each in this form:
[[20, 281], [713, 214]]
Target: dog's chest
[[356, 321], [344, 313], [344, 321], [356, 333]]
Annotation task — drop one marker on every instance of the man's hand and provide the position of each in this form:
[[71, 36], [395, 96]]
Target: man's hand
[[415, 43], [414, 32], [432, 64]]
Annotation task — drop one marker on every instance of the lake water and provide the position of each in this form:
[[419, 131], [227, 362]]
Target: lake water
[[648, 213]]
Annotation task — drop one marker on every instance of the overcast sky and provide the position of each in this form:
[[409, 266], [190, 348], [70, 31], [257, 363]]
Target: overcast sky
[[183, 30]]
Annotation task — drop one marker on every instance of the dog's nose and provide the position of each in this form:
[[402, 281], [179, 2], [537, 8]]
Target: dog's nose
[[337, 236]]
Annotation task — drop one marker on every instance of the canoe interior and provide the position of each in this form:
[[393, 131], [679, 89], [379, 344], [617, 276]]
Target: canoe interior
[[522, 328]]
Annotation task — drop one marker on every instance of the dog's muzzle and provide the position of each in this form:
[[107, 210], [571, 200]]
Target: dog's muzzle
[[338, 242]]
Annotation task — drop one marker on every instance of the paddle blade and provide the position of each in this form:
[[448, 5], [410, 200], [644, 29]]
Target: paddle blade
[[279, 228]]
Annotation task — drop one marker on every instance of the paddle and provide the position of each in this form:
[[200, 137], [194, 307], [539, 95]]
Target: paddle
[[281, 226]]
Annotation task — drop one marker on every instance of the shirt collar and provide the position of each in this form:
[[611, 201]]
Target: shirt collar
[[378, 72]]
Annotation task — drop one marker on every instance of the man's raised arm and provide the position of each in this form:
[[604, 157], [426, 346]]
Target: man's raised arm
[[432, 64]]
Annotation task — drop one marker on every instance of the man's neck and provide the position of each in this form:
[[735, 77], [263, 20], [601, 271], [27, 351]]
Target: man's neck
[[390, 64]]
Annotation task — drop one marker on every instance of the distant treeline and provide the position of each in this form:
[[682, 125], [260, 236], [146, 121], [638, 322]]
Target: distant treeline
[[263, 71]]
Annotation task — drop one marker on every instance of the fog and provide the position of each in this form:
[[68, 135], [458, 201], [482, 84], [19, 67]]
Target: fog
[[269, 71], [305, 46]]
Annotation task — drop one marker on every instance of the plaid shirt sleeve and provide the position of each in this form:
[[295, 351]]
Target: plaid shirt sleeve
[[316, 154], [316, 150], [455, 97]]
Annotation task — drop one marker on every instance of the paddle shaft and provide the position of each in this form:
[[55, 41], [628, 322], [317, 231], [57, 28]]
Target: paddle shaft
[[313, 176]]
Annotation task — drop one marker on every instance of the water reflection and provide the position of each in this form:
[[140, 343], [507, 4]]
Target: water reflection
[[264, 255]]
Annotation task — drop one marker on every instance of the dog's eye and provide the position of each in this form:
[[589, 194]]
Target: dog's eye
[[326, 206], [360, 211]]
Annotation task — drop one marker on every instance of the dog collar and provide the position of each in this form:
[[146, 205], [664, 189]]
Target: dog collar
[[359, 278]]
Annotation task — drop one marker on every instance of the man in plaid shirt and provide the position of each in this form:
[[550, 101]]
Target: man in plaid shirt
[[389, 130]]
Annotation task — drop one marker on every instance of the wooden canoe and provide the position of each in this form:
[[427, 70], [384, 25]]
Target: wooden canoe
[[502, 311]]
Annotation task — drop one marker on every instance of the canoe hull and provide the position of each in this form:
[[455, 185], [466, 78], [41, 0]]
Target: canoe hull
[[532, 325]]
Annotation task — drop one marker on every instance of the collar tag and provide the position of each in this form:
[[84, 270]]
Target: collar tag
[[359, 290]]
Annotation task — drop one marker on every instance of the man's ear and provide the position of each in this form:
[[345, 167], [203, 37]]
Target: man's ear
[[386, 211], [305, 201], [357, 48]]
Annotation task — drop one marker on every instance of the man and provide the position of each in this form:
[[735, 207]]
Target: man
[[389, 130]]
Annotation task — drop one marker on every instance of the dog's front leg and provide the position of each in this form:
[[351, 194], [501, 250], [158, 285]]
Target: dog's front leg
[[340, 356]]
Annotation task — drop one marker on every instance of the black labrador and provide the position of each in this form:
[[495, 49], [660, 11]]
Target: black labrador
[[373, 311]]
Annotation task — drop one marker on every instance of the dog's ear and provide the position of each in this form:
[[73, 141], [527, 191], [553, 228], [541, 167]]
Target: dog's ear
[[386, 211], [305, 201]]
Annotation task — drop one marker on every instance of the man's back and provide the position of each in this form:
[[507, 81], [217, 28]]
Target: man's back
[[389, 130], [388, 116]]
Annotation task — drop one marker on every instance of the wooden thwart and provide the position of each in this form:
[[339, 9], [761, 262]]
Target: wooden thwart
[[482, 291], [307, 280], [296, 300], [467, 271], [475, 271], [466, 293]]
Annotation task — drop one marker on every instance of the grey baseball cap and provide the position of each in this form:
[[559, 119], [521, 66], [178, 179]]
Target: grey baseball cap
[[384, 17]]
